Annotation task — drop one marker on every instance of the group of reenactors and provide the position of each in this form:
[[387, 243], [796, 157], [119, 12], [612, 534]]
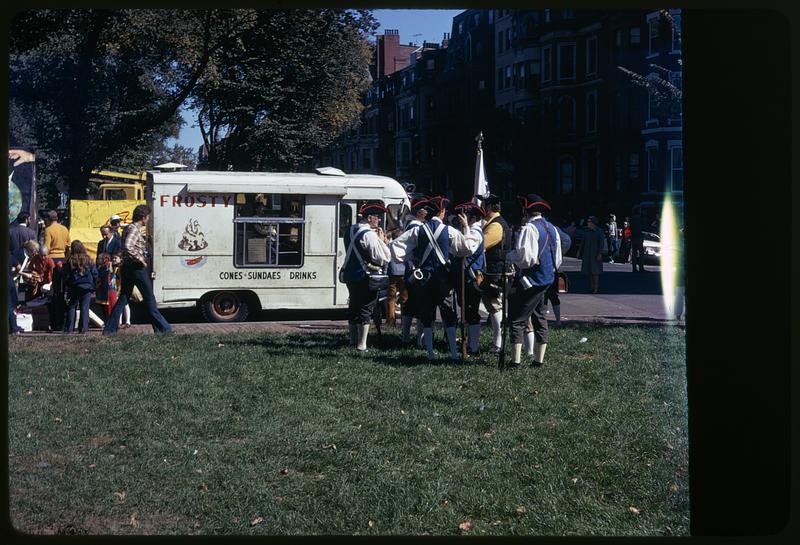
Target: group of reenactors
[[464, 254]]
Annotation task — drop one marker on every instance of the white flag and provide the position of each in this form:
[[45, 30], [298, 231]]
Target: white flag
[[481, 183]]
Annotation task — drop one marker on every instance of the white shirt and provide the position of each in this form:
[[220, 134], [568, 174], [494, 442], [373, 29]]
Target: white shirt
[[526, 253], [461, 245], [377, 250]]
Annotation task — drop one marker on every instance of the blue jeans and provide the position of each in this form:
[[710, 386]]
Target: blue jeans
[[83, 298], [132, 275], [12, 306]]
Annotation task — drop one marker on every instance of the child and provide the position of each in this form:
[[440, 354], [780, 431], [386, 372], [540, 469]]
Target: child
[[80, 275], [125, 319], [106, 283]]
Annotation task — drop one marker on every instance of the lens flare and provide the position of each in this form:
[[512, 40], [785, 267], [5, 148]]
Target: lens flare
[[670, 257]]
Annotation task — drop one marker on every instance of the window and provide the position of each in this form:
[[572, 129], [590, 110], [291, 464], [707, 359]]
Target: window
[[619, 38], [566, 62], [430, 64], [591, 182], [652, 167], [652, 108], [591, 112], [633, 166], [269, 230], [345, 218], [547, 16], [508, 38], [636, 35], [653, 24], [366, 158], [676, 166], [114, 195], [469, 48], [500, 42], [676, 104], [676, 32], [499, 78], [547, 70], [591, 56], [566, 172], [618, 172], [508, 77], [566, 115]]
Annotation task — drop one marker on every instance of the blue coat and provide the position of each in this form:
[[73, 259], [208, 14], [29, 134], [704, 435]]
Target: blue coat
[[75, 280]]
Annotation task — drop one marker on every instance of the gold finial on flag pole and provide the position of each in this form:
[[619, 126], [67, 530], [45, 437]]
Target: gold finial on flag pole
[[479, 140]]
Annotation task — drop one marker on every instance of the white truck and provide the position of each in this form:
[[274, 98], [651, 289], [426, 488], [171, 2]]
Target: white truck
[[237, 242]]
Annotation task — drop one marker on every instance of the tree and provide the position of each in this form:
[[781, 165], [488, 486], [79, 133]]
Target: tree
[[274, 94], [95, 84]]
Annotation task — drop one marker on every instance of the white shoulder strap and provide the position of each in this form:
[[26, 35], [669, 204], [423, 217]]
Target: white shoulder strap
[[433, 245], [351, 249]]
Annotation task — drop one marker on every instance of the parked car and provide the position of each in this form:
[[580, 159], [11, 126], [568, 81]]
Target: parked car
[[652, 248]]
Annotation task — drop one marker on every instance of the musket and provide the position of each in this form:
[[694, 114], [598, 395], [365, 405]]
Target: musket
[[501, 359], [463, 303]]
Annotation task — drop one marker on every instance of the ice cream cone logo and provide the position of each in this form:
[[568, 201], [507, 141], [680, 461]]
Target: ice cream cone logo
[[193, 239]]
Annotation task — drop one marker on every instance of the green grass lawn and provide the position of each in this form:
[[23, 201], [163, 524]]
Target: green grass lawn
[[296, 434]]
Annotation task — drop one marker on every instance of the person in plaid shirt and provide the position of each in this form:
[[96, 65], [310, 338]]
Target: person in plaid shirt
[[134, 272]]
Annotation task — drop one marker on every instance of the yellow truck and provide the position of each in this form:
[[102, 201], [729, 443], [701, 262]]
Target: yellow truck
[[119, 193]]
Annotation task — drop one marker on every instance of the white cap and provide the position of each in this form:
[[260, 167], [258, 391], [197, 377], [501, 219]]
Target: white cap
[[115, 217]]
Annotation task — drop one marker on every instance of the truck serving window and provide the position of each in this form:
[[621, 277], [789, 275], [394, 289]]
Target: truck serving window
[[269, 230]]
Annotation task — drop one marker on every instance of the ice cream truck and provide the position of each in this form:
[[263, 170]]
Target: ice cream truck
[[234, 243]]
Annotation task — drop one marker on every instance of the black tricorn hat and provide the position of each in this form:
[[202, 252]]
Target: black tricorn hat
[[372, 208], [533, 202], [489, 198], [435, 204], [469, 208], [418, 202]]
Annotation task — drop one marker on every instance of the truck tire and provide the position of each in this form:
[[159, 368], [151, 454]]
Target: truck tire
[[225, 307]]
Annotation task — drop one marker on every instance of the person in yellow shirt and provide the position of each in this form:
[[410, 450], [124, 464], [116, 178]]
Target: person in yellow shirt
[[56, 237], [496, 242]]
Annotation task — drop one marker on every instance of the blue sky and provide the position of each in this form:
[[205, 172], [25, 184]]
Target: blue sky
[[415, 25]]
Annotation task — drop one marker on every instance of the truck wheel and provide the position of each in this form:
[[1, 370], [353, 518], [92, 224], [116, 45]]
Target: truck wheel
[[225, 306]]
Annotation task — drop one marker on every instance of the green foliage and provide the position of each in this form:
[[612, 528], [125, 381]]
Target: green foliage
[[287, 83], [96, 84], [206, 434]]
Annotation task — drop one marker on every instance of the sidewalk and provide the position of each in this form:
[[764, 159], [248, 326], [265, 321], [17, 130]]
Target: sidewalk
[[625, 298]]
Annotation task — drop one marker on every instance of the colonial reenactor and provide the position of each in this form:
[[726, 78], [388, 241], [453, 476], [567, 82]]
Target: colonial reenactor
[[473, 266], [496, 242], [409, 310], [367, 253], [537, 255], [428, 247]]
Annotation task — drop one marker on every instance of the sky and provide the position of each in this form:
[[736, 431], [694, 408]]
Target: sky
[[415, 25]]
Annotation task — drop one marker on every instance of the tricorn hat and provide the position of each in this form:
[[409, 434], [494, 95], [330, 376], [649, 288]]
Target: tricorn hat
[[418, 201], [435, 204], [489, 198], [469, 207], [533, 202], [372, 208]]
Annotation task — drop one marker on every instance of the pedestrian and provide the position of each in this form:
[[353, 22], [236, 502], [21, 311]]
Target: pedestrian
[[625, 249], [14, 267], [409, 310], [106, 294], [496, 242], [56, 237], [80, 276], [429, 247], [537, 255], [110, 242], [473, 266], [28, 277], [19, 232], [134, 273], [367, 254], [114, 223], [43, 266], [594, 246], [125, 317], [637, 240], [612, 237]]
